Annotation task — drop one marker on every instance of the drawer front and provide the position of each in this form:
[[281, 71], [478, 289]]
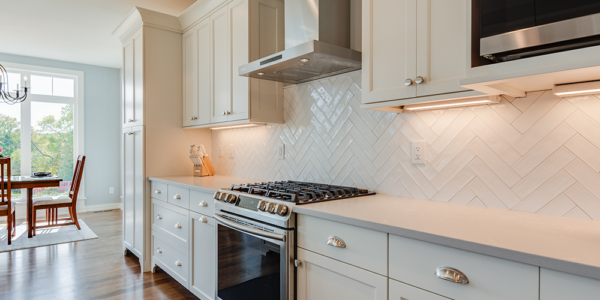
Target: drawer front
[[364, 248], [401, 291], [415, 262], [171, 220], [202, 203], [173, 259], [159, 191], [179, 196], [556, 285]]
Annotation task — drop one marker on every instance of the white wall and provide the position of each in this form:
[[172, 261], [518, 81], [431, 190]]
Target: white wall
[[537, 154], [102, 87]]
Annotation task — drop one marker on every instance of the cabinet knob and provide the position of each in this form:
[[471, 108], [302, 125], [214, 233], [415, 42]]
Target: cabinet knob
[[178, 225], [228, 112], [130, 133], [158, 250], [192, 118], [157, 192], [408, 82], [420, 80], [452, 275], [177, 197], [159, 217], [203, 219], [336, 242], [224, 112], [297, 263], [203, 204], [131, 120], [178, 263]]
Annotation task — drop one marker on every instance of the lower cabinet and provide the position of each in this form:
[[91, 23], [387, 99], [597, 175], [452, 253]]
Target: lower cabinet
[[556, 285], [320, 277], [401, 291], [202, 256]]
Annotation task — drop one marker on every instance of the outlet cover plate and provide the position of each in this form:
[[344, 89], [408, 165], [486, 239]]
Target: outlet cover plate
[[281, 151], [418, 152]]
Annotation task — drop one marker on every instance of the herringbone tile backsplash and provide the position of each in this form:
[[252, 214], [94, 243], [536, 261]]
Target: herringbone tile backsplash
[[536, 154]]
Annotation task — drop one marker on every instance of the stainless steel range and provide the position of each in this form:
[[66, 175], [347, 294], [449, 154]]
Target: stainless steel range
[[256, 236]]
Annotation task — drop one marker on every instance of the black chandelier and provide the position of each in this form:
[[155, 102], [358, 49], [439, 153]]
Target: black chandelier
[[5, 93]]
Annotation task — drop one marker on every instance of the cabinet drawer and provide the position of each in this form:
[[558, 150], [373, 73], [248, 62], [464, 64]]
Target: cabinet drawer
[[365, 248], [172, 221], [415, 262], [171, 259], [401, 291], [203, 203], [556, 285], [179, 196], [158, 191]]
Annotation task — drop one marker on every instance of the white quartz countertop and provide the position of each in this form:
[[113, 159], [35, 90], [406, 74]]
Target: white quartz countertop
[[564, 244]]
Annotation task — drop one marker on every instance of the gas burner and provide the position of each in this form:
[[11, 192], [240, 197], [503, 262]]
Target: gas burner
[[300, 192]]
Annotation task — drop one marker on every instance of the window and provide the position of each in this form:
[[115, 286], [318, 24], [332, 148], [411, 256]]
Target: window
[[44, 133]]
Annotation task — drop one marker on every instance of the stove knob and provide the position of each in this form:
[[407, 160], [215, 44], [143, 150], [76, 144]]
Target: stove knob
[[223, 197], [231, 198], [271, 207], [262, 205], [217, 195], [281, 209]]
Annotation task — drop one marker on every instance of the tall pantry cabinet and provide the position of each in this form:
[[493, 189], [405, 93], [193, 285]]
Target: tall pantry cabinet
[[153, 142]]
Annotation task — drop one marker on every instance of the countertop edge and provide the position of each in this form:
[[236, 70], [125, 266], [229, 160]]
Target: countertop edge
[[517, 256], [187, 186]]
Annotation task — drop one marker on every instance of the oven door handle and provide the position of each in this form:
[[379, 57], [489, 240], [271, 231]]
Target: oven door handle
[[250, 230]]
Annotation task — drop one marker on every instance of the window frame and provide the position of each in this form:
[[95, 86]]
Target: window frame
[[78, 117]]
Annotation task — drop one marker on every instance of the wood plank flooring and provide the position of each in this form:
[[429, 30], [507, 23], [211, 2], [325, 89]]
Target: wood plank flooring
[[94, 269]]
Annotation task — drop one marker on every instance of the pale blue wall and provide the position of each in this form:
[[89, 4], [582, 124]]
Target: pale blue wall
[[102, 131]]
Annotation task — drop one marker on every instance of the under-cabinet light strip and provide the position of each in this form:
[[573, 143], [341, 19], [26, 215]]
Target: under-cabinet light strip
[[237, 126], [580, 88], [453, 103]]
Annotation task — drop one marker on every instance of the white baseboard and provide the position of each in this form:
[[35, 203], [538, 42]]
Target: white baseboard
[[99, 207]]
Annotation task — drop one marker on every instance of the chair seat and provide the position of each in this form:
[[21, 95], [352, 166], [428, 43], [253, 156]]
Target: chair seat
[[38, 201], [5, 207]]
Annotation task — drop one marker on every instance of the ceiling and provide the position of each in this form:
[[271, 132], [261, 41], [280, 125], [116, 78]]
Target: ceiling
[[72, 30]]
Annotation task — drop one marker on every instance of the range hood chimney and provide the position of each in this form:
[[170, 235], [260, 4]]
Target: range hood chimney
[[317, 44]]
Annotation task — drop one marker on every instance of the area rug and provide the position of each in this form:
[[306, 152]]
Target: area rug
[[45, 236]]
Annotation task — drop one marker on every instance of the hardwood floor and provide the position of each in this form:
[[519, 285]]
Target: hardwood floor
[[94, 269]]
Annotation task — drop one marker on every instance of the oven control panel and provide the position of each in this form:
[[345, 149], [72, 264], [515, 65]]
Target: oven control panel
[[253, 203]]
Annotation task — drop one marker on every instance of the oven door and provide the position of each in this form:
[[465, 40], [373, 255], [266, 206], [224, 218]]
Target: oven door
[[253, 259]]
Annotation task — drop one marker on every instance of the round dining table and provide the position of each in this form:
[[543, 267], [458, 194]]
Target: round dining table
[[30, 183]]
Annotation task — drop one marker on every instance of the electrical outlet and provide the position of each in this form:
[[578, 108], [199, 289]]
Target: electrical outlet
[[111, 190], [281, 151], [231, 150], [418, 152], [221, 151]]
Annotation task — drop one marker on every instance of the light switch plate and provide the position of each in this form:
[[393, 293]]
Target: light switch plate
[[281, 151], [111, 190], [231, 149], [221, 151], [418, 152]]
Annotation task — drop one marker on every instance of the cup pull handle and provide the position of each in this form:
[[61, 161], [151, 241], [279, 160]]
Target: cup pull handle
[[178, 225], [203, 219], [178, 263], [159, 217], [336, 242], [177, 197], [203, 204], [157, 192], [452, 275], [158, 250]]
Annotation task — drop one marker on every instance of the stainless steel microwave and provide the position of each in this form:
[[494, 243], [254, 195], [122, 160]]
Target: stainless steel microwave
[[514, 29]]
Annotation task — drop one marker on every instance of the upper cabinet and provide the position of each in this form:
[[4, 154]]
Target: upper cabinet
[[413, 51], [219, 37], [133, 80]]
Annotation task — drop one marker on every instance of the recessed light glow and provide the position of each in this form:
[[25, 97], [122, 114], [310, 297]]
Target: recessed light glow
[[304, 60], [260, 73], [582, 88]]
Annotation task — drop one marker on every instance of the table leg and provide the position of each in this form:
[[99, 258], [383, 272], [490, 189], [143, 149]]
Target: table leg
[[29, 212]]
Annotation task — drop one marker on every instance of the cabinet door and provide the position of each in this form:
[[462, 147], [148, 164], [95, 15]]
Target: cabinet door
[[556, 285], [401, 291], [138, 79], [441, 45], [238, 11], [389, 51], [128, 189], [128, 84], [190, 77], [320, 277], [203, 256], [139, 189], [204, 71], [221, 94]]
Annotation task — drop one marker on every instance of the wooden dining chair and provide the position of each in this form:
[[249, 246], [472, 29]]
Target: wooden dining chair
[[7, 207], [52, 204]]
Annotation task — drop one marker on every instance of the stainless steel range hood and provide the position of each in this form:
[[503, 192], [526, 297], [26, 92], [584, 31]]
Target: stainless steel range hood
[[317, 44]]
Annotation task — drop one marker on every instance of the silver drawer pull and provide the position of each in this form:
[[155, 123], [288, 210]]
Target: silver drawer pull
[[178, 225], [178, 263], [452, 275], [177, 197], [157, 192], [159, 217], [203, 204], [336, 242], [158, 250], [203, 219]]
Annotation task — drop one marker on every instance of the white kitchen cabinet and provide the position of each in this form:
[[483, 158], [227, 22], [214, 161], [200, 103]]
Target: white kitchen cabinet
[[319, 277], [413, 51], [134, 188], [555, 285], [133, 79], [401, 291], [202, 256], [223, 38]]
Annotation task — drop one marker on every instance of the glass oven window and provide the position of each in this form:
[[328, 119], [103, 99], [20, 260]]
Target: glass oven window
[[502, 16], [550, 11], [248, 267]]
